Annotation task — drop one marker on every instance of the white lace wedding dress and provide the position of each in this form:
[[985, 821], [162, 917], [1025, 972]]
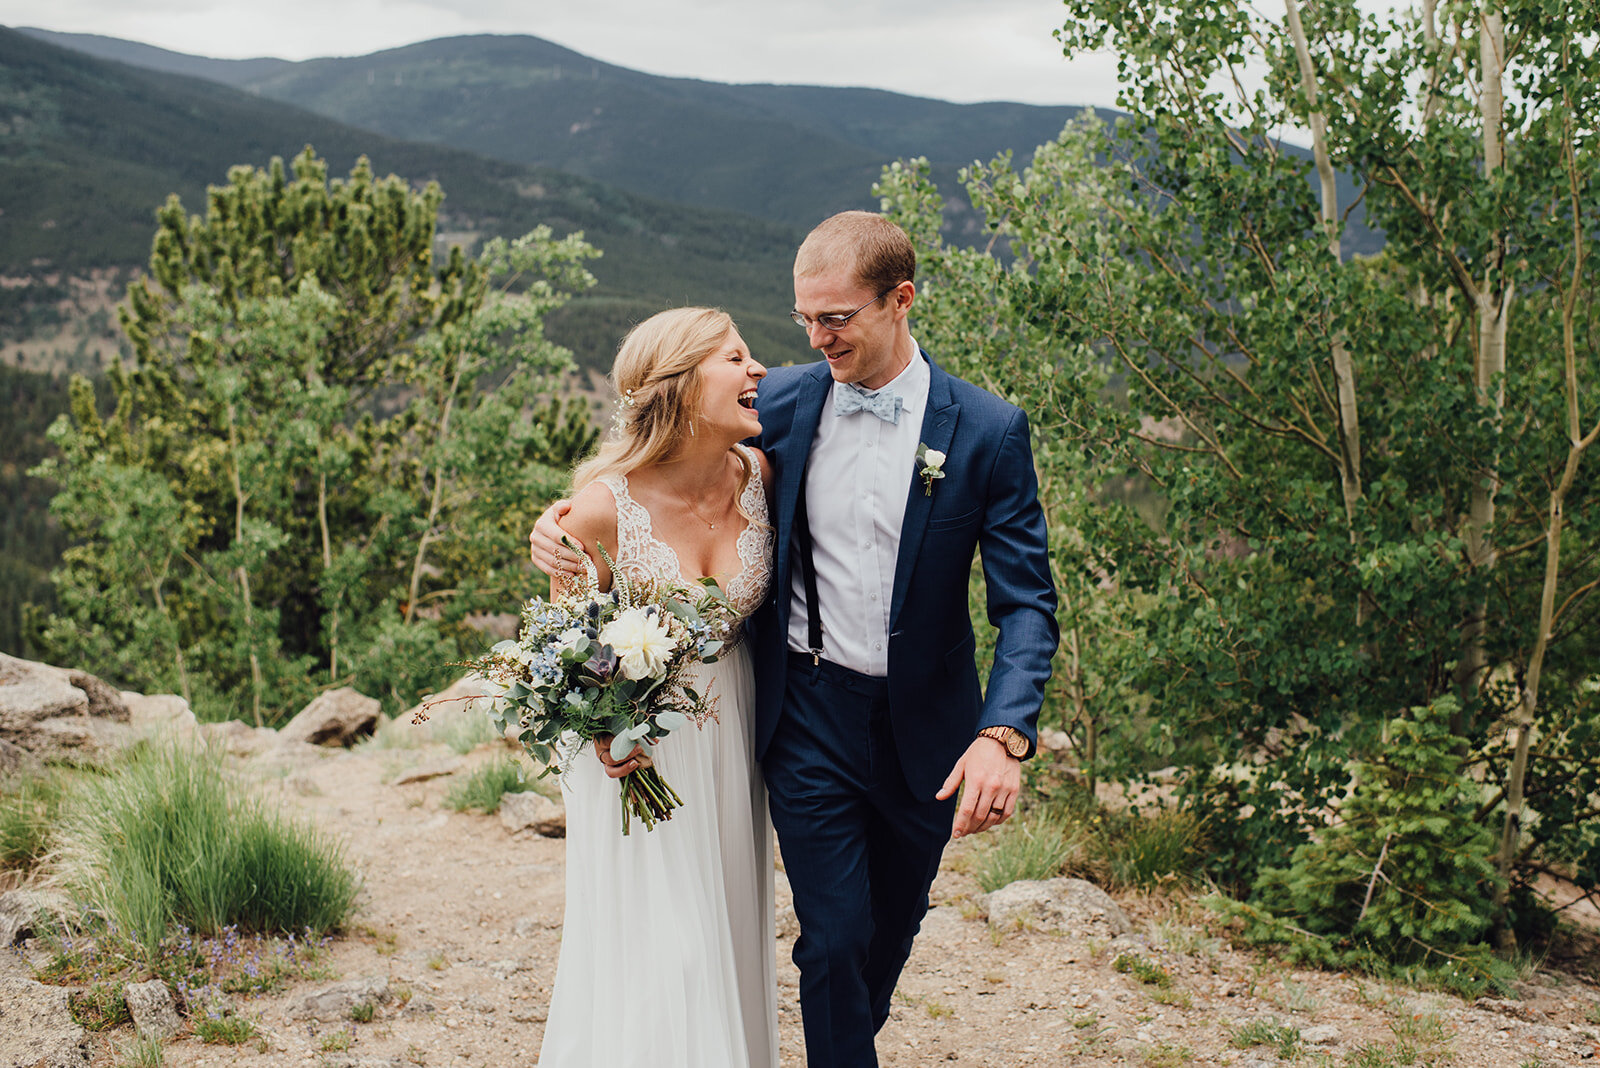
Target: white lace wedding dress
[[667, 951]]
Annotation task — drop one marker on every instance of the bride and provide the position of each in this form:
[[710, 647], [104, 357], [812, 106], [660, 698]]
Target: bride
[[667, 951]]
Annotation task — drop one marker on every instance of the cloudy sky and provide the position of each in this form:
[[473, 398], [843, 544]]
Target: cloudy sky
[[960, 50]]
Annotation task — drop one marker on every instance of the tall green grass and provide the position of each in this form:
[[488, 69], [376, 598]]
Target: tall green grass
[[487, 784], [1040, 844], [28, 805], [165, 841]]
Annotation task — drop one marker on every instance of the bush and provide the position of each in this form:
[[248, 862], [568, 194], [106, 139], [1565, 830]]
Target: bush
[[163, 842], [1147, 851], [1406, 870]]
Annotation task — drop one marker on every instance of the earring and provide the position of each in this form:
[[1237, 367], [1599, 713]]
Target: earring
[[691, 428]]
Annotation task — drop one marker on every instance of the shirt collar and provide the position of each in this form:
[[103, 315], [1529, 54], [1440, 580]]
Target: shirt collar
[[911, 383]]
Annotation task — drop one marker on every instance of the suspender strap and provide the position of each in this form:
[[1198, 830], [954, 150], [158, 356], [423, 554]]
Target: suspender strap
[[808, 576]]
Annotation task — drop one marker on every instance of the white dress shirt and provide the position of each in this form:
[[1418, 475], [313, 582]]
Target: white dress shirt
[[857, 482]]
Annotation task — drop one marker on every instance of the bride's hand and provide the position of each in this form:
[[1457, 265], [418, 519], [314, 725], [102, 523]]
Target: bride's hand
[[616, 769], [545, 546]]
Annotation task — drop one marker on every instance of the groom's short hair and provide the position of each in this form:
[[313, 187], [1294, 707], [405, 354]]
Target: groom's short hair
[[874, 249]]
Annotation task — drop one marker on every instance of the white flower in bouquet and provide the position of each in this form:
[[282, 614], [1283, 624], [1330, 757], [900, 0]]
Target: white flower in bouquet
[[569, 638], [642, 642]]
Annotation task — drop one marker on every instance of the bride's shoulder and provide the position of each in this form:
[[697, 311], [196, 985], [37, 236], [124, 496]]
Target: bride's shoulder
[[763, 466], [593, 517]]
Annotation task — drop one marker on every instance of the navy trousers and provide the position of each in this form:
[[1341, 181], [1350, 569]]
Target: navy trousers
[[860, 852]]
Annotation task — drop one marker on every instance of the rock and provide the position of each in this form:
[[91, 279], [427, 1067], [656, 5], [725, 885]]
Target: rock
[[54, 714], [37, 1029], [12, 757], [337, 717], [337, 1001], [1514, 1009], [432, 769], [159, 713], [240, 739], [1071, 906], [527, 1012], [21, 912], [478, 1003], [532, 809], [155, 1016], [1320, 1035]]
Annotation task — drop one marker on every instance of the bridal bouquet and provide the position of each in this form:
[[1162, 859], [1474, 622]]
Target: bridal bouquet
[[597, 664]]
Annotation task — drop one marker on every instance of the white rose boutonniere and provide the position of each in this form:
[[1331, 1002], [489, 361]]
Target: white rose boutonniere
[[930, 466]]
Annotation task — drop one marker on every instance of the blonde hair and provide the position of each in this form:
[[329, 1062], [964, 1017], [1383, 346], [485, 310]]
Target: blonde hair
[[657, 378]]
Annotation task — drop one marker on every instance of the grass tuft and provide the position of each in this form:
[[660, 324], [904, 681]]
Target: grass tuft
[[483, 788], [1039, 845], [28, 806], [163, 842]]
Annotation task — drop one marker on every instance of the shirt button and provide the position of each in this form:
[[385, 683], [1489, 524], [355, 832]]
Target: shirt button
[[872, 597], [876, 646], [866, 545]]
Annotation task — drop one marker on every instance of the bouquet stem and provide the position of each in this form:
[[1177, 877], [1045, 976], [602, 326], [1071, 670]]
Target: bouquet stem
[[647, 795]]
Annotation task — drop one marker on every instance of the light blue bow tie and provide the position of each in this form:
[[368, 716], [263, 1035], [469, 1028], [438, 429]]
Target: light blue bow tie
[[885, 403]]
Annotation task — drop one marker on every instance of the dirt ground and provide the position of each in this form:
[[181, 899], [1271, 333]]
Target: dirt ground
[[462, 921]]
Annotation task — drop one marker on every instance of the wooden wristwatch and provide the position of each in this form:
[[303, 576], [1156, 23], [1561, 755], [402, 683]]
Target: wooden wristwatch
[[1015, 741]]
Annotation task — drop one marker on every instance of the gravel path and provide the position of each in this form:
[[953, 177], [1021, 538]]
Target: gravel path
[[460, 927]]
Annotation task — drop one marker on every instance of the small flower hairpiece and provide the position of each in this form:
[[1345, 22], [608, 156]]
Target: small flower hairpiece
[[619, 414]]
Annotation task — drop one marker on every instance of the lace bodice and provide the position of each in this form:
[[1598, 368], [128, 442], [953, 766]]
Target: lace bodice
[[638, 547]]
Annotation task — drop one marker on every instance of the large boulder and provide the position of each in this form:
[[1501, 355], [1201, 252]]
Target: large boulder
[[159, 713], [37, 1029], [533, 810], [338, 717], [1071, 906], [51, 713], [238, 738]]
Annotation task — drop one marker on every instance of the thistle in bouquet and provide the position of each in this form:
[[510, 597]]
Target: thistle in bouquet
[[594, 665]]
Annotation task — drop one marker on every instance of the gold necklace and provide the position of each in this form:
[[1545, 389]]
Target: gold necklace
[[692, 510]]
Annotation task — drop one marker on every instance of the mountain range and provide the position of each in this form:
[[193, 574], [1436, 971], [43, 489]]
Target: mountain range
[[791, 154]]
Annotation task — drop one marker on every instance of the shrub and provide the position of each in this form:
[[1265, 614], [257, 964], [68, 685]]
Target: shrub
[[1145, 851], [163, 842], [1406, 870]]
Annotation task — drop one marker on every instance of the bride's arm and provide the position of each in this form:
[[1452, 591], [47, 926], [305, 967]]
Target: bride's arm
[[591, 519]]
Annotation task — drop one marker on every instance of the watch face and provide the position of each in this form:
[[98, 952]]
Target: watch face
[[1017, 744]]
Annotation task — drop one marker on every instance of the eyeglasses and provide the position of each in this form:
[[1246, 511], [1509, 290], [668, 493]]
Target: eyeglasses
[[833, 320]]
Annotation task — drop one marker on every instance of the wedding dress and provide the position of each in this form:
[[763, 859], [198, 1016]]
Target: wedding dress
[[667, 950]]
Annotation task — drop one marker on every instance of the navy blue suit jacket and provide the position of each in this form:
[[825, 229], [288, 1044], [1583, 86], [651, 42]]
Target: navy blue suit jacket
[[989, 499]]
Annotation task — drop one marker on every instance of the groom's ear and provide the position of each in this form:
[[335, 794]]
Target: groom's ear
[[902, 297]]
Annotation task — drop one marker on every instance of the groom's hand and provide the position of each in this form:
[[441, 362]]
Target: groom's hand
[[545, 546], [993, 779]]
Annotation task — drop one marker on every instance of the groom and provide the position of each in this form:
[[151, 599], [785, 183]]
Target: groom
[[868, 711], [888, 474]]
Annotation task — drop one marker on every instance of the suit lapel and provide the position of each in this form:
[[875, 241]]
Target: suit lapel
[[795, 450], [938, 429]]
